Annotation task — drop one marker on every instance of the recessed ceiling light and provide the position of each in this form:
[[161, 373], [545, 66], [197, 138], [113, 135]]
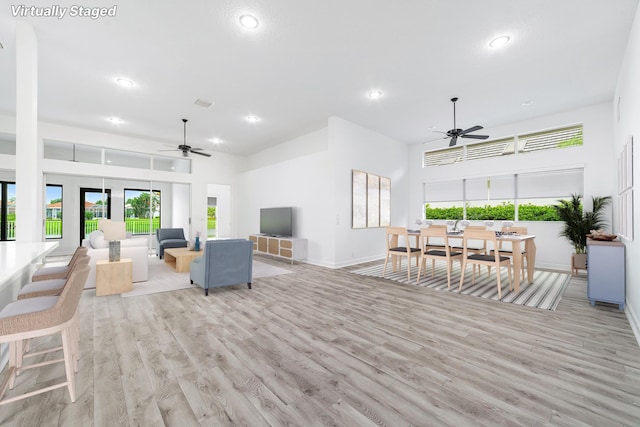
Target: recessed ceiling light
[[375, 94], [249, 22], [116, 120], [252, 119], [499, 41], [124, 82], [216, 140], [527, 103], [431, 127]]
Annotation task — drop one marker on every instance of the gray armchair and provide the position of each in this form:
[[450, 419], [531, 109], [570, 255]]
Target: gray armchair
[[224, 263], [169, 238]]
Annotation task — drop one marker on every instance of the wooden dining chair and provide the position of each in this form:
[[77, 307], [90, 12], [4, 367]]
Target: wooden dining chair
[[443, 254], [495, 260], [397, 252], [438, 243], [476, 247], [508, 251]]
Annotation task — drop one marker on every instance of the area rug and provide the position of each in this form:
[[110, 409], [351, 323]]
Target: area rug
[[163, 278], [544, 293]]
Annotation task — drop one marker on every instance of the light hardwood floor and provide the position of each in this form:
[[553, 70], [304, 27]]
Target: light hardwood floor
[[326, 347]]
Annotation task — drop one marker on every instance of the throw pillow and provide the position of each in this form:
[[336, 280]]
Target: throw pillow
[[97, 240]]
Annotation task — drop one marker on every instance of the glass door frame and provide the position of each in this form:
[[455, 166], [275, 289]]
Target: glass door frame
[[4, 210], [83, 192]]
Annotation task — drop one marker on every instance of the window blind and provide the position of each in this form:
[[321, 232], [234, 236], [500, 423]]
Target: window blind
[[551, 184], [444, 191]]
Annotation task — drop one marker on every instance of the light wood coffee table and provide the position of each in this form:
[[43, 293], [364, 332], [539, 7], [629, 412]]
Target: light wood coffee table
[[180, 258]]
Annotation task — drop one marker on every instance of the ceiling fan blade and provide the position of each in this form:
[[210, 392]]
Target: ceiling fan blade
[[475, 136], [454, 139], [196, 149], [471, 129], [202, 154], [175, 149], [437, 139]]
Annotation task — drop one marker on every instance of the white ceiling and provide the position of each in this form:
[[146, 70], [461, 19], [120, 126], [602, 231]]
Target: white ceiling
[[309, 60]]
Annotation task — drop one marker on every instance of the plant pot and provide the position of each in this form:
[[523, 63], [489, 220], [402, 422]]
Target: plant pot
[[578, 262]]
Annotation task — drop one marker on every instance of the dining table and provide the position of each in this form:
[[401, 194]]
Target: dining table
[[518, 242]]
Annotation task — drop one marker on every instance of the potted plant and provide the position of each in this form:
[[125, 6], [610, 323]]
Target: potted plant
[[578, 224]]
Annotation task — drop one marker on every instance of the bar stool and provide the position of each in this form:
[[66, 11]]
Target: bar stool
[[37, 317], [43, 288], [61, 272]]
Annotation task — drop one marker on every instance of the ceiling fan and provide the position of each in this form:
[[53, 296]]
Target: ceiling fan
[[456, 133], [186, 149]]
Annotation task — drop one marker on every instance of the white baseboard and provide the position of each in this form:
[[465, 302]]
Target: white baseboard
[[633, 320], [551, 266], [344, 263]]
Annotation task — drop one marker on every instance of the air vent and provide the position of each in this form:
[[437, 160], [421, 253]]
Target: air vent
[[202, 103]]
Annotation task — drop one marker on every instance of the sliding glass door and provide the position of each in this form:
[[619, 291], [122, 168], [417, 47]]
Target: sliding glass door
[[7, 211], [94, 205], [141, 211]]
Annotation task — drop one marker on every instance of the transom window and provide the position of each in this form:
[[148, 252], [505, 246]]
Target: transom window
[[518, 144]]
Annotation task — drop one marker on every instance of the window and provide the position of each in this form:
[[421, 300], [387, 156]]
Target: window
[[212, 206], [547, 140], [497, 148], [60, 150], [371, 200], [7, 211], [53, 212], [559, 138], [447, 156], [541, 189], [490, 198], [444, 200], [141, 211], [95, 204], [494, 198]]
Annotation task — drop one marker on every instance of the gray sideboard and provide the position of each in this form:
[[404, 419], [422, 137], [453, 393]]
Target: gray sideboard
[[606, 272]]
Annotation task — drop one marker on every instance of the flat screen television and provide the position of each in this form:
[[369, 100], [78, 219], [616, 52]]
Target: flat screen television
[[276, 221]]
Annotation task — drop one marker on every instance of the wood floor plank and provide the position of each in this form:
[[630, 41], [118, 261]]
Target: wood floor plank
[[326, 347]]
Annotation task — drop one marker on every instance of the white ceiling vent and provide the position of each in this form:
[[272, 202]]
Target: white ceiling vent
[[202, 103]]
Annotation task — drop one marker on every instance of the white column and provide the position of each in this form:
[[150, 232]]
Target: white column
[[29, 189]]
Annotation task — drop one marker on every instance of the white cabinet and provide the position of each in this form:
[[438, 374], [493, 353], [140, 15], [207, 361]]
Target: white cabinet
[[605, 272], [289, 248]]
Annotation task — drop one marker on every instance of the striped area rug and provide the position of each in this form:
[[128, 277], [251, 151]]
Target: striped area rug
[[545, 292]]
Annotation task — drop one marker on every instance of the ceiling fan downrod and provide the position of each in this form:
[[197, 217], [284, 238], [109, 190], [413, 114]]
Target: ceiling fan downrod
[[454, 111]]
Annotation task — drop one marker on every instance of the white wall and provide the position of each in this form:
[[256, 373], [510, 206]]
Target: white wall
[[180, 208], [296, 173], [595, 155], [355, 147], [627, 125], [313, 174]]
